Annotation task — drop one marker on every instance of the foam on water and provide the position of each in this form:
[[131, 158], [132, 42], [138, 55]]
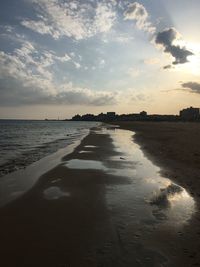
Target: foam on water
[[24, 142]]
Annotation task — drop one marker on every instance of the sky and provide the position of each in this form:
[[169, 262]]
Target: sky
[[59, 58]]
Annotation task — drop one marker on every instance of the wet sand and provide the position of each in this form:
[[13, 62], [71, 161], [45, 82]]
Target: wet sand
[[173, 146], [95, 209]]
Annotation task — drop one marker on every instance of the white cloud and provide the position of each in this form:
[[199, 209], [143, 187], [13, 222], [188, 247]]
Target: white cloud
[[65, 58], [139, 14], [26, 77], [40, 27], [75, 19], [77, 65], [104, 18]]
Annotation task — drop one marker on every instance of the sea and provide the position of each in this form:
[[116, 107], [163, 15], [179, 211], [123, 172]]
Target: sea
[[23, 142]]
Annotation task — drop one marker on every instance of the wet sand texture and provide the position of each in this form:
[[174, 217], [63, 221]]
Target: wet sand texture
[[103, 208], [174, 146]]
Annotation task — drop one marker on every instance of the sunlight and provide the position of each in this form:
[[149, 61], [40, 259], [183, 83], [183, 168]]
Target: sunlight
[[193, 65]]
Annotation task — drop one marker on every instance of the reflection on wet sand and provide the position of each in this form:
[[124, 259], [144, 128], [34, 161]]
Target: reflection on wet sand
[[166, 195], [85, 152], [107, 208], [143, 210], [148, 193], [171, 200], [85, 164], [54, 192], [90, 146]]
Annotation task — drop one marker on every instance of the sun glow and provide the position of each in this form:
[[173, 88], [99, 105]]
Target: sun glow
[[194, 61], [193, 64]]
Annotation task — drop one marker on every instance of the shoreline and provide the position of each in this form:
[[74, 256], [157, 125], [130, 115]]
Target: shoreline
[[61, 232], [34, 141], [17, 183], [174, 147], [68, 218]]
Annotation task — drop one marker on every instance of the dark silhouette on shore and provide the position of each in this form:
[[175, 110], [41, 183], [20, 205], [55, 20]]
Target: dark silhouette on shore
[[189, 114]]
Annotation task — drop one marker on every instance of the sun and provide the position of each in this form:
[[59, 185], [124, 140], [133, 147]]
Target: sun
[[193, 64]]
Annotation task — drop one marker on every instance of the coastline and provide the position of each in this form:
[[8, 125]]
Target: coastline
[[25, 142], [42, 232], [65, 219], [175, 147], [15, 184]]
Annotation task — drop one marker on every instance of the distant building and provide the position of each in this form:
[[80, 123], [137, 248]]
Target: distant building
[[111, 114], [190, 114], [143, 113], [76, 118]]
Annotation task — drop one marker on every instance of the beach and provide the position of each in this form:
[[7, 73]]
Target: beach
[[109, 204], [175, 146]]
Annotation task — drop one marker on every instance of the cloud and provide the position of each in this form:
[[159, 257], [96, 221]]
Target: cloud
[[131, 95], [167, 38], [193, 87], [14, 93], [104, 18], [27, 77], [77, 65], [139, 14], [30, 65], [167, 67], [133, 72], [74, 19]]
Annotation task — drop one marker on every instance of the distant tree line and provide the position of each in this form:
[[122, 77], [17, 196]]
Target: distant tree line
[[111, 116]]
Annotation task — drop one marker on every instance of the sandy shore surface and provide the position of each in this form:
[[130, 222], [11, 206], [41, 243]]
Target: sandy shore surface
[[94, 210], [173, 146], [176, 148]]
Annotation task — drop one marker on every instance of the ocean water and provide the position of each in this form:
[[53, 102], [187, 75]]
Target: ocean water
[[24, 142]]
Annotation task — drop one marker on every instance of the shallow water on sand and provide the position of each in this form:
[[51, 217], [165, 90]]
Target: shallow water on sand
[[169, 202], [147, 197], [85, 164], [54, 192], [144, 210], [129, 216]]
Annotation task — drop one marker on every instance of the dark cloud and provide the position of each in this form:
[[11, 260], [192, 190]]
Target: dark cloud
[[167, 67], [193, 87], [166, 38]]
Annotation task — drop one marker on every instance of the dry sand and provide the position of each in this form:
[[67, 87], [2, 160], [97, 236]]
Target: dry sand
[[76, 230]]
